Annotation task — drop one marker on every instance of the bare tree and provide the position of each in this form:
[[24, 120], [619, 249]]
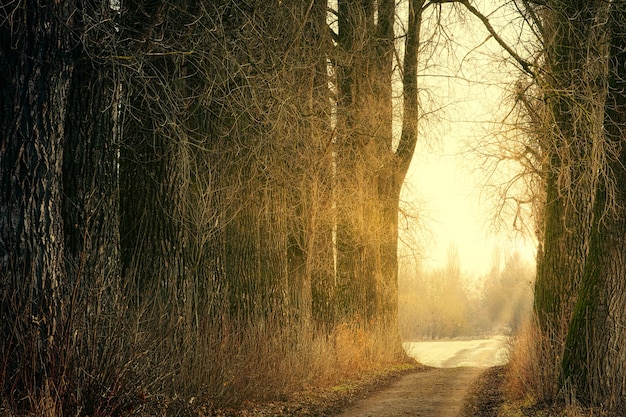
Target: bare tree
[[370, 168], [580, 269]]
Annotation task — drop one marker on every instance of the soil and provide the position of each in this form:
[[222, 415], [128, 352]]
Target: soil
[[436, 392], [485, 396]]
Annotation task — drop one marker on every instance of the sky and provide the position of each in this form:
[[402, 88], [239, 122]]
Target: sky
[[445, 185]]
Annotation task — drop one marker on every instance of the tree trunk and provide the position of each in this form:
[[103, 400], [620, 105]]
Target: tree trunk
[[90, 181], [573, 123], [391, 185], [90, 206], [594, 363], [151, 185], [37, 69]]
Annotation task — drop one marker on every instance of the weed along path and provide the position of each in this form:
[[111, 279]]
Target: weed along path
[[437, 391]]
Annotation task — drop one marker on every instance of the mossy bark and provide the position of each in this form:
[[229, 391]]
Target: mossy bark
[[594, 363]]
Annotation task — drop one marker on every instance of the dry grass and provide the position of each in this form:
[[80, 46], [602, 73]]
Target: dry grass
[[257, 364], [533, 370], [531, 382], [154, 364]]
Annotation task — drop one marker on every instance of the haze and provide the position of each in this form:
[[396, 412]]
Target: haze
[[469, 240]]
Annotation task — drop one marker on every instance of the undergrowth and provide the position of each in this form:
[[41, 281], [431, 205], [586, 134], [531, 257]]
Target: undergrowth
[[151, 362], [533, 372]]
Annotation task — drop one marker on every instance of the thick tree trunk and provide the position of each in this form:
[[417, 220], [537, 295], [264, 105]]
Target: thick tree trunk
[[37, 69], [151, 187], [90, 211], [90, 204], [573, 124], [594, 363], [594, 357]]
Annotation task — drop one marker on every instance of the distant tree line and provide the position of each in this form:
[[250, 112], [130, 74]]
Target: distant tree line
[[449, 303]]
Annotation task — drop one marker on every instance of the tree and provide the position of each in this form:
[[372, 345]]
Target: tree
[[58, 233], [90, 210], [580, 272], [35, 88], [574, 113], [593, 363], [568, 142], [370, 169]]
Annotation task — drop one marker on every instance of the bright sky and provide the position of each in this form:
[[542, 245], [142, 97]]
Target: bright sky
[[444, 182]]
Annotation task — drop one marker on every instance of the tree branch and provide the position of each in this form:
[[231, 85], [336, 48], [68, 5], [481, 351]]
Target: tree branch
[[526, 66]]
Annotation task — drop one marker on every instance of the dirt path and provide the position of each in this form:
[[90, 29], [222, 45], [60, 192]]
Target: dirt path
[[438, 391], [434, 392]]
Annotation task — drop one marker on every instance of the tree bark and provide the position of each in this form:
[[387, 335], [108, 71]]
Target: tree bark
[[37, 68], [573, 126], [594, 359]]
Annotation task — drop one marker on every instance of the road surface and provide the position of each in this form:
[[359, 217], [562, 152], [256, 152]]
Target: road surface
[[437, 391], [481, 353]]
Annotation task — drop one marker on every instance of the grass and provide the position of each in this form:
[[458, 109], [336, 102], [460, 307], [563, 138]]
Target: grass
[[149, 361], [531, 380]]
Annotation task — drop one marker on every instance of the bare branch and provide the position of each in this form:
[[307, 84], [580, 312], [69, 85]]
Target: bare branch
[[526, 66]]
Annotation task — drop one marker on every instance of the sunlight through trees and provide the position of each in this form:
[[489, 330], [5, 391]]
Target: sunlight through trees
[[197, 196]]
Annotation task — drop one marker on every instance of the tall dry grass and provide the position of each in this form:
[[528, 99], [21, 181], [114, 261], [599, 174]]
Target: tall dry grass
[[532, 385], [533, 367], [150, 361], [232, 363]]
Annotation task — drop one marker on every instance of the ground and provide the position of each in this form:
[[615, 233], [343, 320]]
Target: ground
[[415, 391], [465, 380], [433, 392]]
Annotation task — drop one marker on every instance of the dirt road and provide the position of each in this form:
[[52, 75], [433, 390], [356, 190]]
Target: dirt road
[[437, 391], [434, 392]]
